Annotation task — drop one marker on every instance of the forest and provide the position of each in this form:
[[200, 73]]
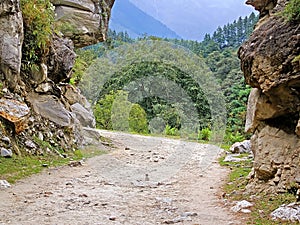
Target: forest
[[146, 112]]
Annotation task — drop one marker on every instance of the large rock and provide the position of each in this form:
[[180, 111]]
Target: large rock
[[11, 39], [50, 107], [260, 108], [15, 112], [61, 59], [85, 117], [289, 212], [263, 6], [85, 22], [241, 147], [268, 60]]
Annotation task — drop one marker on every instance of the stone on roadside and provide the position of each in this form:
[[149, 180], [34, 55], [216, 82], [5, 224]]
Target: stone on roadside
[[7, 153], [234, 158], [241, 147], [30, 144], [4, 184], [241, 205], [290, 212]]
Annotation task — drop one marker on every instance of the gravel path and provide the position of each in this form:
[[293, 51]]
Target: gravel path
[[147, 180]]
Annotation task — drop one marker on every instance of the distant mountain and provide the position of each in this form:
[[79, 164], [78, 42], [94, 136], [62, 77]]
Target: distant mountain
[[127, 17], [192, 19]]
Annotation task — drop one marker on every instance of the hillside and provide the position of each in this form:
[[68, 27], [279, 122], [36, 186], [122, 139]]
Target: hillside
[[127, 17], [193, 19]]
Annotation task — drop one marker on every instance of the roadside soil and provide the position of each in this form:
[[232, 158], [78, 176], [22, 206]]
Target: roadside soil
[[144, 181]]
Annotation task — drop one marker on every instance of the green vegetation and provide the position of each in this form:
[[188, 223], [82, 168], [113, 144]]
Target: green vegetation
[[18, 167], [292, 10], [38, 17], [264, 203], [83, 60], [137, 120], [218, 51]]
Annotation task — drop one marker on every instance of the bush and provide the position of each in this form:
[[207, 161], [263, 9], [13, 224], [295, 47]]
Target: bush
[[138, 120], [82, 62], [231, 138], [204, 134], [292, 10], [38, 17], [172, 131]]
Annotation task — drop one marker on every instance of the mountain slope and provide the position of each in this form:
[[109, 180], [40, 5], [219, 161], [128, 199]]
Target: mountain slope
[[127, 17], [191, 19]]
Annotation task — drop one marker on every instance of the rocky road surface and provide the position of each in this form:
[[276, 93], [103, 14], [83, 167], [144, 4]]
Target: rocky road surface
[[144, 181]]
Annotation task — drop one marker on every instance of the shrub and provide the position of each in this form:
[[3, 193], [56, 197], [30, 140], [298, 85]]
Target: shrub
[[231, 138], [172, 131], [292, 10], [138, 120], [204, 134], [38, 17]]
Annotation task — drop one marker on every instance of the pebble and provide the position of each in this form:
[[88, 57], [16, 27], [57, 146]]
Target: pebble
[[112, 218], [239, 206], [4, 184], [30, 144], [7, 153], [6, 139]]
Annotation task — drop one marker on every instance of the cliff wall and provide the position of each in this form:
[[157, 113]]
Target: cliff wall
[[37, 105], [270, 62]]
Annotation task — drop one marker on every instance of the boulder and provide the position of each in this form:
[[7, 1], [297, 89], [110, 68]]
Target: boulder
[[287, 212], [85, 22], [14, 111], [241, 205], [7, 153], [11, 39], [241, 147], [260, 108], [50, 107], [263, 6], [61, 59], [85, 117], [268, 60]]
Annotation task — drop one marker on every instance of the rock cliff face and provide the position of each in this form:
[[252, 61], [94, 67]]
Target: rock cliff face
[[38, 107], [86, 20], [269, 60]]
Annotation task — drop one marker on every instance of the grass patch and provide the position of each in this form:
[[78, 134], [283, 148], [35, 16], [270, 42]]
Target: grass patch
[[264, 204], [16, 168], [239, 171]]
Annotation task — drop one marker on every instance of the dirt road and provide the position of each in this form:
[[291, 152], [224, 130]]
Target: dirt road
[[147, 180]]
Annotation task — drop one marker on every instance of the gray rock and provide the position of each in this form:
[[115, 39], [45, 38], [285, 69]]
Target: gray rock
[[89, 19], [30, 144], [7, 153], [6, 140], [11, 39], [290, 212], [239, 206], [61, 59], [4, 184], [241, 147], [234, 158], [85, 117], [50, 107], [44, 88]]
